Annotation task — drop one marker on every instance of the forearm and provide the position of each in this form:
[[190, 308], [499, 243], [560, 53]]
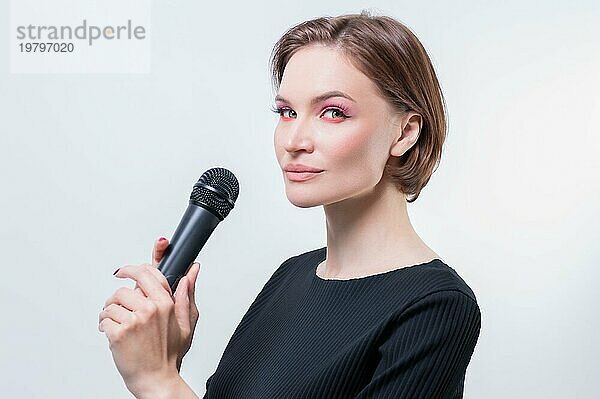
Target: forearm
[[176, 389]]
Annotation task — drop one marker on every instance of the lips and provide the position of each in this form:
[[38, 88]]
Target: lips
[[301, 176], [298, 168]]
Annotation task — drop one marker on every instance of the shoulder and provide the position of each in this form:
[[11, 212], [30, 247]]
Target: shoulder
[[293, 265], [446, 278], [297, 262], [433, 287], [432, 277], [453, 303], [444, 297], [448, 320], [301, 259]]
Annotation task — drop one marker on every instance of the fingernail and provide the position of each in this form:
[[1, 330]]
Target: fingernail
[[116, 271], [161, 239]]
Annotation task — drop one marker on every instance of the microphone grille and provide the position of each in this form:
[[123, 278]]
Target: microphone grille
[[216, 190]]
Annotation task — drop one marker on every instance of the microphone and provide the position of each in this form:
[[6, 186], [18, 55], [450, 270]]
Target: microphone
[[212, 198]]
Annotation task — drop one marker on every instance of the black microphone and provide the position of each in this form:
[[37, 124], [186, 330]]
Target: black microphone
[[212, 198]]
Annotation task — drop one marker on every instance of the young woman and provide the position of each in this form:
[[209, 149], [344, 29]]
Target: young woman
[[375, 313]]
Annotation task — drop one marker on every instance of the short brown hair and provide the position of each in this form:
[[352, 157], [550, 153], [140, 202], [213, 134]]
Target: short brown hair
[[389, 54]]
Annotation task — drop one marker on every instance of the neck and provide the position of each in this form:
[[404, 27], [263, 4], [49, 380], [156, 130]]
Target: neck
[[371, 233]]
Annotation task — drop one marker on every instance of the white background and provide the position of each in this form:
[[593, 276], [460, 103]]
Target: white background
[[95, 167]]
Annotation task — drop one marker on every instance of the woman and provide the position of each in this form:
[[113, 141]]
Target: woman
[[374, 314]]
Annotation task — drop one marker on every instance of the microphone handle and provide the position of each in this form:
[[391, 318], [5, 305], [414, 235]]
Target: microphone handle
[[196, 225]]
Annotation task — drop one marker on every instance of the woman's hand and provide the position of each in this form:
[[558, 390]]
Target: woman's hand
[[157, 254], [149, 330]]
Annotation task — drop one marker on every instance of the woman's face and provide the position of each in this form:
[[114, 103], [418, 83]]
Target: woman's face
[[348, 135]]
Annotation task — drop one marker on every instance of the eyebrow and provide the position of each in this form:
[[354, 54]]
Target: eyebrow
[[322, 97]]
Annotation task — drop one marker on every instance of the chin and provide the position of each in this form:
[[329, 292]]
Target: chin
[[304, 203], [303, 197]]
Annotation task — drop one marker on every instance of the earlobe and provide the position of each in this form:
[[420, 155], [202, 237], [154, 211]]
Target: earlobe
[[400, 147]]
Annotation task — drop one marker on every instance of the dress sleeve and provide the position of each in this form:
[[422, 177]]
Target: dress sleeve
[[206, 393], [426, 351]]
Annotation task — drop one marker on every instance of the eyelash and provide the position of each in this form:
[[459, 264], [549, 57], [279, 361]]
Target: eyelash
[[279, 110]]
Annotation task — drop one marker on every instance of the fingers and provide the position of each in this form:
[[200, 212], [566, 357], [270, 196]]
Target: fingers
[[158, 250], [193, 276], [138, 290], [181, 292], [125, 297], [151, 281], [109, 326], [182, 306], [118, 309], [116, 313]]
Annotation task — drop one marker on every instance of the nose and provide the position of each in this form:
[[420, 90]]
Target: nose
[[299, 137]]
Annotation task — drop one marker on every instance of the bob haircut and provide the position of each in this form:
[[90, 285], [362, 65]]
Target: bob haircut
[[389, 54]]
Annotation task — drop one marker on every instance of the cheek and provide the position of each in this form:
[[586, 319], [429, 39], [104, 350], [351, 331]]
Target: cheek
[[353, 149], [350, 170], [277, 144], [355, 159]]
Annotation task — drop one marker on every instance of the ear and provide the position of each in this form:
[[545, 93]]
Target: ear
[[411, 128]]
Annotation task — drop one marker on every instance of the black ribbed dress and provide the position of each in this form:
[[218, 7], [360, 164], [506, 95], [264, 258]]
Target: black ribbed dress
[[405, 333]]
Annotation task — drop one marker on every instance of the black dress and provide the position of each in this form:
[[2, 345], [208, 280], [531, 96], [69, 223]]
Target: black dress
[[405, 333]]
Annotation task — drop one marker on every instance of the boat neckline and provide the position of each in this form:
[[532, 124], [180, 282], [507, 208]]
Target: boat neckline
[[323, 256]]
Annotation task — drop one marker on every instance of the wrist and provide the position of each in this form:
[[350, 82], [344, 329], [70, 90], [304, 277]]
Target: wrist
[[169, 388]]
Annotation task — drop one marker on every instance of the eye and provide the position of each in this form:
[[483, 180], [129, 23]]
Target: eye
[[281, 110], [336, 113]]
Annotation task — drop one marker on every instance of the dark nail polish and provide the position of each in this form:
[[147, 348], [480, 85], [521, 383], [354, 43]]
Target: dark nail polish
[[116, 271], [161, 239]]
